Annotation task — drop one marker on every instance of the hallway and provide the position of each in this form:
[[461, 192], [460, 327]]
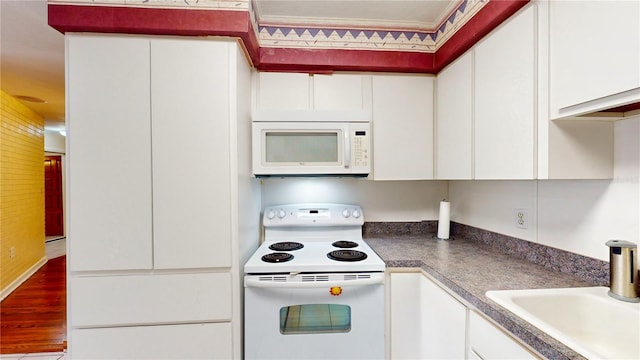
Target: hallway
[[34, 318]]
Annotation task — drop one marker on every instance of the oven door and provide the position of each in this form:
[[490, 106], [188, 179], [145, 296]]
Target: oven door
[[316, 318]]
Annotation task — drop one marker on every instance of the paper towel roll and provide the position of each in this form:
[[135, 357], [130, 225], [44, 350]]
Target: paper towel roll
[[443, 221]]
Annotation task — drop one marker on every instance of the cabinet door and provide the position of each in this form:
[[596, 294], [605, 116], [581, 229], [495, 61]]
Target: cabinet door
[[443, 323], [109, 153], [341, 92], [283, 91], [402, 127], [101, 301], [454, 120], [191, 154], [184, 341], [505, 100], [404, 316], [425, 321], [594, 54], [486, 341]]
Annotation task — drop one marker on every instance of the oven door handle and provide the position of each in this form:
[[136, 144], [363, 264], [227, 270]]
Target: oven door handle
[[256, 282]]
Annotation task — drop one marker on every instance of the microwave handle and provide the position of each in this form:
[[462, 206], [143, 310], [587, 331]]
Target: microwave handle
[[347, 149]]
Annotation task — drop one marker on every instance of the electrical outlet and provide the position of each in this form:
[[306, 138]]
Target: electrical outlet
[[522, 218], [12, 252]]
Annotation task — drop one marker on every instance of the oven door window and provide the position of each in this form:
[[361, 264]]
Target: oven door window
[[315, 318], [285, 147]]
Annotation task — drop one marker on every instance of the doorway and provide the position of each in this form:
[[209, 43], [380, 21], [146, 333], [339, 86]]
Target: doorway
[[53, 195]]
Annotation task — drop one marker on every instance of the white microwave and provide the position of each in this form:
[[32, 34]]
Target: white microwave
[[311, 143]]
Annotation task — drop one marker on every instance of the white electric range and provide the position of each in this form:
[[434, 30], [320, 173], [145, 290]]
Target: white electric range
[[314, 287]]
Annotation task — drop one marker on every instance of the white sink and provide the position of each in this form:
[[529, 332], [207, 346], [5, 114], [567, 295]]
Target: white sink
[[587, 320]]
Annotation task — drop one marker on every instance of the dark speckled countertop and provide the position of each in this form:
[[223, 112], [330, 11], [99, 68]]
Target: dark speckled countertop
[[469, 268]]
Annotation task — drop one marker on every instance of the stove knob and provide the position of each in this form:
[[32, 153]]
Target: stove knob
[[356, 214], [346, 213], [271, 214], [281, 214]]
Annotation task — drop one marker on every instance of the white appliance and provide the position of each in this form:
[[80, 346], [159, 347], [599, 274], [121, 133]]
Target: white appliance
[[314, 288], [311, 143]]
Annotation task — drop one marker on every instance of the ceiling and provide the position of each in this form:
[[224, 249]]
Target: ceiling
[[32, 58], [375, 14], [32, 53]]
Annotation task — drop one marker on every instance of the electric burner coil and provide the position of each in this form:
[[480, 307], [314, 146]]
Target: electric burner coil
[[347, 255], [286, 246], [345, 244], [277, 257]]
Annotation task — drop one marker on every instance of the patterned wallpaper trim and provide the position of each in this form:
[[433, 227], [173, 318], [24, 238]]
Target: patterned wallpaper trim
[[282, 36]]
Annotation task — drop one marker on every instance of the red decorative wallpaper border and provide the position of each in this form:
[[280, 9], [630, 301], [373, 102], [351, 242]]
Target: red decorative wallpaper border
[[232, 23]]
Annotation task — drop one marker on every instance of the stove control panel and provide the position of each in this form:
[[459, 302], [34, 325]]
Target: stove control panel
[[313, 215]]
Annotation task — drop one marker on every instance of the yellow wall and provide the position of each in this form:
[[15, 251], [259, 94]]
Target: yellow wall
[[21, 189]]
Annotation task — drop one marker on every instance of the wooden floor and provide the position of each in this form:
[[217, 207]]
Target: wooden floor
[[34, 317]]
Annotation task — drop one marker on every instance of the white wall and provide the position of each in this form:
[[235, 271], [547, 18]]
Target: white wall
[[380, 200], [54, 142], [491, 205], [574, 215]]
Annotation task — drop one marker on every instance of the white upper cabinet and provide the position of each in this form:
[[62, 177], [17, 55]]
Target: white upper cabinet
[[342, 92], [191, 154], [492, 113], [109, 153], [296, 91], [402, 127], [278, 91], [454, 120], [505, 106], [594, 55], [570, 149]]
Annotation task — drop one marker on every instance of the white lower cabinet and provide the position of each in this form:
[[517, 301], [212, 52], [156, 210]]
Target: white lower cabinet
[[426, 322], [486, 341], [404, 316], [185, 341]]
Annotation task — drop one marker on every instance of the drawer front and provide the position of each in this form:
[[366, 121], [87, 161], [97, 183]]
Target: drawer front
[[149, 299], [188, 341]]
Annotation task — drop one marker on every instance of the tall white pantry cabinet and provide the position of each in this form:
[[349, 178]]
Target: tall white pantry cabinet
[[158, 175]]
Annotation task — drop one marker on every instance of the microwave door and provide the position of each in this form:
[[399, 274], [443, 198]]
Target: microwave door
[[305, 149], [302, 151], [292, 147]]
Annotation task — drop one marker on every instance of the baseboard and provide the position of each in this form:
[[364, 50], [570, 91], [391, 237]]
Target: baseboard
[[22, 278]]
